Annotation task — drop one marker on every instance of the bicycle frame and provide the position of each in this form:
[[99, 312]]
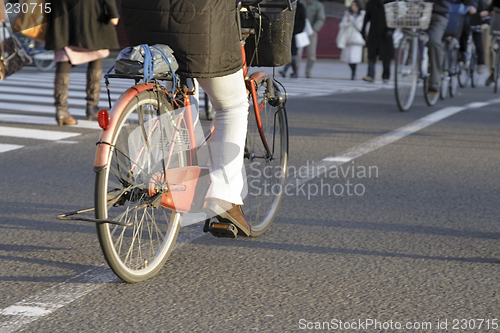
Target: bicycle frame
[[182, 182]]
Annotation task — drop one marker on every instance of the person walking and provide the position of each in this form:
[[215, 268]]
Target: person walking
[[350, 39], [379, 41], [298, 27], [315, 11], [81, 34]]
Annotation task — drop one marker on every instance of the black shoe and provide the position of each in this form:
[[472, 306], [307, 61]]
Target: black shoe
[[433, 88], [283, 73], [489, 80]]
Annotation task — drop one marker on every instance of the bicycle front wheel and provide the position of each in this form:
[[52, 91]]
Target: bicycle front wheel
[[463, 74], [454, 73], [129, 189], [473, 69], [496, 71], [406, 74], [265, 170]]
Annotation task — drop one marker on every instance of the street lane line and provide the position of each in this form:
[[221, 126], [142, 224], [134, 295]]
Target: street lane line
[[5, 147], [322, 167], [38, 120], [47, 301], [35, 134]]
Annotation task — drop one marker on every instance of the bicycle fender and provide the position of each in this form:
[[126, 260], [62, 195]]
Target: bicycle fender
[[103, 145]]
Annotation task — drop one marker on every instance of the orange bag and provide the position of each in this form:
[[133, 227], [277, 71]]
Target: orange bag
[[31, 22]]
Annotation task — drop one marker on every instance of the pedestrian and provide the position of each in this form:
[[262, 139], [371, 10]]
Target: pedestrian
[[298, 27], [204, 37], [350, 39], [379, 40], [81, 34], [2, 11], [315, 11]]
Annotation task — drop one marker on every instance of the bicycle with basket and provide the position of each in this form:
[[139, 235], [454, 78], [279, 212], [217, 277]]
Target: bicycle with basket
[[152, 166], [411, 55]]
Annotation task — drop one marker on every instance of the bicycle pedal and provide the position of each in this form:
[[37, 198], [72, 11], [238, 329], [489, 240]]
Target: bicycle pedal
[[223, 230]]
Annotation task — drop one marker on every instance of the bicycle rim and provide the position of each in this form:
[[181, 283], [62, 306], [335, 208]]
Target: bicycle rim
[[44, 65], [265, 174], [127, 190], [405, 78]]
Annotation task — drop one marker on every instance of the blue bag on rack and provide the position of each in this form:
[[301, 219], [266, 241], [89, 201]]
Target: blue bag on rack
[[130, 60], [456, 20]]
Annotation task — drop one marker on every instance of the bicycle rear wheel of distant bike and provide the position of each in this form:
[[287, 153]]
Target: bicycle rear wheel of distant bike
[[406, 74], [473, 69], [464, 73], [496, 71], [129, 188], [266, 173]]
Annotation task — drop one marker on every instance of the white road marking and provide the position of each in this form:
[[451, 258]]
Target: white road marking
[[6, 147], [35, 134], [328, 163], [37, 120], [45, 302]]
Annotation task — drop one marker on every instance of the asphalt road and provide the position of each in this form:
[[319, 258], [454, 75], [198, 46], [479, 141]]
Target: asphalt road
[[415, 243]]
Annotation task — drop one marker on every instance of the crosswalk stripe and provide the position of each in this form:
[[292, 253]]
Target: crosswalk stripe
[[5, 147], [37, 120], [25, 133], [50, 92]]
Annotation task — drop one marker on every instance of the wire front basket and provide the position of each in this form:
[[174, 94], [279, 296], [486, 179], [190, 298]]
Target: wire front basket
[[412, 14]]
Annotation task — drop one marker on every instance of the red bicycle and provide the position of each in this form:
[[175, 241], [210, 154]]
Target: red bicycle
[[150, 169]]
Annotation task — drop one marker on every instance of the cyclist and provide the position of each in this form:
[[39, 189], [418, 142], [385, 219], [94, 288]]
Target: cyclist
[[205, 39], [477, 34], [439, 20], [473, 5]]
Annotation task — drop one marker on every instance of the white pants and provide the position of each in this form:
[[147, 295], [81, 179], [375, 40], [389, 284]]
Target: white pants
[[230, 102]]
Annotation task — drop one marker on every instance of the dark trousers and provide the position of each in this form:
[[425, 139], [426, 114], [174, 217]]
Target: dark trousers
[[386, 64]]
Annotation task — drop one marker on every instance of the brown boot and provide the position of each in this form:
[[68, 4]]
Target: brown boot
[[232, 214], [61, 87], [94, 74]]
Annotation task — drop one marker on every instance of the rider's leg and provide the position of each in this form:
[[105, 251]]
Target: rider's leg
[[436, 47], [229, 99]]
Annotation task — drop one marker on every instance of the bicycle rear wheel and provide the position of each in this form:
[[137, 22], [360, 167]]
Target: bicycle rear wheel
[[463, 74], [129, 189], [473, 69], [453, 73], [406, 74], [266, 174], [496, 70]]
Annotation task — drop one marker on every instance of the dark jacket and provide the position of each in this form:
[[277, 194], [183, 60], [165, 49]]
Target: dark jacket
[[493, 4], [81, 23], [202, 33], [379, 39]]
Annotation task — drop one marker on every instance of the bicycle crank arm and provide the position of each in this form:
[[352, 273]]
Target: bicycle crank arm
[[69, 216]]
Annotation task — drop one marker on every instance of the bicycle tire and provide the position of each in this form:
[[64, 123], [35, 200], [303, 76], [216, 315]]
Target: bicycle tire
[[463, 75], [473, 69], [496, 71], [266, 175], [122, 191], [44, 65], [445, 84], [406, 75], [430, 99]]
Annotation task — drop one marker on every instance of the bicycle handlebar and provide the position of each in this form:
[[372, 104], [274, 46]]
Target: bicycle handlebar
[[250, 3]]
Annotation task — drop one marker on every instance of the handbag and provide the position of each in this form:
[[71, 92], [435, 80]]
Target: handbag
[[13, 56], [342, 38], [301, 39], [31, 23]]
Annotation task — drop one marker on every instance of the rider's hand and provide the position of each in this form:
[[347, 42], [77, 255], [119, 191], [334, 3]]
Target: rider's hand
[[114, 21], [484, 13], [472, 10]]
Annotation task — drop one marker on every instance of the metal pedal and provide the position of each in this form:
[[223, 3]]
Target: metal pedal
[[223, 230]]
